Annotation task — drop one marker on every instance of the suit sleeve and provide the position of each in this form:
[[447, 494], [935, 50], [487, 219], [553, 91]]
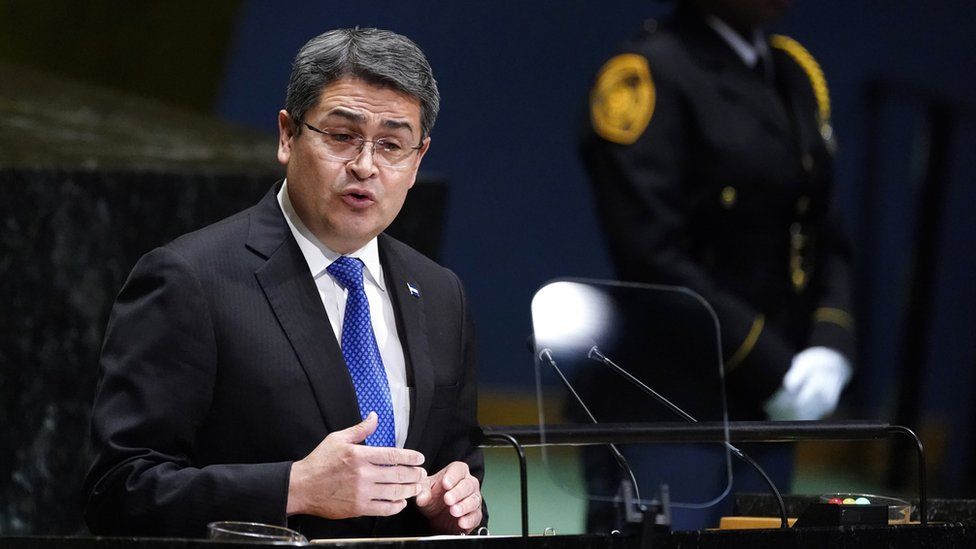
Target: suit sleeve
[[639, 193], [833, 324], [157, 372], [459, 441]]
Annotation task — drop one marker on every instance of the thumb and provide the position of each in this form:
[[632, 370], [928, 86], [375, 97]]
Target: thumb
[[425, 496], [358, 432], [799, 373]]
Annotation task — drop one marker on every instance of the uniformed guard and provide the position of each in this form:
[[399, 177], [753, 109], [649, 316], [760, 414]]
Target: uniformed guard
[[709, 147]]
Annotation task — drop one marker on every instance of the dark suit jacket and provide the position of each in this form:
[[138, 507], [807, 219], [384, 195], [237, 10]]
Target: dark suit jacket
[[220, 368], [730, 185]]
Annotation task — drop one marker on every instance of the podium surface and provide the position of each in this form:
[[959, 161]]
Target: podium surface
[[913, 535]]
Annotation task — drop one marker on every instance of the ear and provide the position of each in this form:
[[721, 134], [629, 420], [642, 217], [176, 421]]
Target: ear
[[286, 133], [420, 156]]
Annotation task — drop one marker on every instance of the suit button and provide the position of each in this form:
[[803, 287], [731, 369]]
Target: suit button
[[827, 132], [807, 162], [728, 197]]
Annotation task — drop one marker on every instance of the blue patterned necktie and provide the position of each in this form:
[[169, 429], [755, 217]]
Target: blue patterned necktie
[[362, 354]]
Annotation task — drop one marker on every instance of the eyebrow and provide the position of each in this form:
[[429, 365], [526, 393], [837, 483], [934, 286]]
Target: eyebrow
[[348, 114], [398, 124], [355, 116]]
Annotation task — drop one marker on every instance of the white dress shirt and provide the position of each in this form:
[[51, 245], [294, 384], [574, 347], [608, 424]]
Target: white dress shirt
[[319, 257], [748, 52]]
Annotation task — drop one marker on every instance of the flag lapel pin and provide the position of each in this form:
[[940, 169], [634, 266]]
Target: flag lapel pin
[[413, 290]]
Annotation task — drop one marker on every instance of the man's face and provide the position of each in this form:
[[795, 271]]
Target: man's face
[[347, 203]]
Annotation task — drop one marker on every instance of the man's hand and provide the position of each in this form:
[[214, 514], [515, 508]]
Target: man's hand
[[451, 500], [342, 479], [812, 386]]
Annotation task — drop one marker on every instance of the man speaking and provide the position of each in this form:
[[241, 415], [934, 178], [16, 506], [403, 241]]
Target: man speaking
[[291, 364]]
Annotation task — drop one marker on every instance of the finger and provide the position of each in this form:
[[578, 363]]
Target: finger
[[454, 473], [811, 406], [467, 505], [461, 490], [358, 432], [470, 521], [795, 378], [392, 456], [810, 392], [804, 368], [425, 496], [791, 383], [399, 474], [395, 492], [382, 508]]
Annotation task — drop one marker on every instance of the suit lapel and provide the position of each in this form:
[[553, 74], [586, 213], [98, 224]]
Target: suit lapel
[[735, 80], [291, 292], [412, 329]]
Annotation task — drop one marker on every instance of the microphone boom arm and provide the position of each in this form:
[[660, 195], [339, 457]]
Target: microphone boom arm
[[546, 355], [595, 354]]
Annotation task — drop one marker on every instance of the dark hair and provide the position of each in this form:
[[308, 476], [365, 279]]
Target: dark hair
[[377, 56]]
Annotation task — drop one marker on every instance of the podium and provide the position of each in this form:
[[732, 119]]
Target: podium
[[669, 342], [520, 436], [934, 536]]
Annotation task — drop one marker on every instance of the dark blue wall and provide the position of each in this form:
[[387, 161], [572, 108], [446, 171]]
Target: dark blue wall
[[513, 76]]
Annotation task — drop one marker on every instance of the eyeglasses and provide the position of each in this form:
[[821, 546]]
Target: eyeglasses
[[387, 152]]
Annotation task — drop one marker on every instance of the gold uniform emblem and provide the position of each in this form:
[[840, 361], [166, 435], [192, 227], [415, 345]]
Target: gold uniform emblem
[[622, 102]]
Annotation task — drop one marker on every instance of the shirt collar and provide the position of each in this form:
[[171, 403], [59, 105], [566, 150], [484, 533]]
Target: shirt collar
[[318, 255], [749, 53]]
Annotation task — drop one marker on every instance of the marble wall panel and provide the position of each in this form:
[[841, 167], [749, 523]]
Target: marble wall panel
[[67, 241]]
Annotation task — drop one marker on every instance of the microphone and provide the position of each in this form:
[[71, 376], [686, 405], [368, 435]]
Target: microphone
[[545, 355], [595, 354]]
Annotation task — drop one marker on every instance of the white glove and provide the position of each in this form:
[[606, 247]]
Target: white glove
[[812, 386]]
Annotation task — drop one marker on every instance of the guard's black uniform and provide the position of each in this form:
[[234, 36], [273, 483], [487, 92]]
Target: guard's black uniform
[[710, 177]]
